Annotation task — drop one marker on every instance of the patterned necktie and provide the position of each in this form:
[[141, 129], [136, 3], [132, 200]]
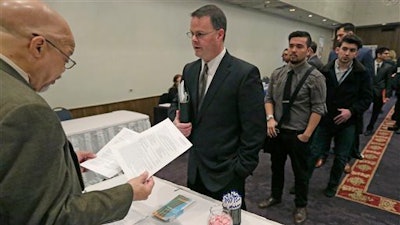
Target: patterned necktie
[[203, 83]]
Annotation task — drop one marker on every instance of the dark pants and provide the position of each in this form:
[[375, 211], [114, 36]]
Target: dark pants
[[286, 144], [376, 109], [237, 185], [396, 113], [344, 143]]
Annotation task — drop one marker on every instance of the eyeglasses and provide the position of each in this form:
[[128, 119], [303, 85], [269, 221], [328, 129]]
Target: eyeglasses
[[198, 35], [70, 63]]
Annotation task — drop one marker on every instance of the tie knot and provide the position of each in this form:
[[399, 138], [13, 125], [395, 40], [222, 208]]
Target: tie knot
[[205, 69]]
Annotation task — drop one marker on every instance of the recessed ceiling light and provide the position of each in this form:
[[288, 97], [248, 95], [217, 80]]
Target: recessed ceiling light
[[292, 9], [324, 20], [310, 15]]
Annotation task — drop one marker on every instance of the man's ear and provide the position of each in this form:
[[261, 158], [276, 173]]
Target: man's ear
[[309, 51], [37, 45], [337, 50]]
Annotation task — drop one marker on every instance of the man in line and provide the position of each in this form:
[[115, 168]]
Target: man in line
[[298, 127], [364, 56], [285, 56], [39, 173], [382, 85], [313, 57], [226, 110], [349, 93]]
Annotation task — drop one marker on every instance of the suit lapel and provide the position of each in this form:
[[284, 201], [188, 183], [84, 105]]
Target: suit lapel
[[218, 79], [192, 84]]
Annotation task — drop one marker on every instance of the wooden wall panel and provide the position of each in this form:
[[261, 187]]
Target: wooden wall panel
[[144, 105], [385, 36]]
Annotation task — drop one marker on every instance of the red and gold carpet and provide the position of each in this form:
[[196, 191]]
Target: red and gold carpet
[[354, 186]]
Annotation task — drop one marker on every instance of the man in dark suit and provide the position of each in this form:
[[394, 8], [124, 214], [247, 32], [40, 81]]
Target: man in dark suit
[[226, 110], [382, 85], [39, 172], [313, 57]]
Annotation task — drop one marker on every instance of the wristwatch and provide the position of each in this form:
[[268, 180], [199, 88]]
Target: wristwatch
[[270, 117]]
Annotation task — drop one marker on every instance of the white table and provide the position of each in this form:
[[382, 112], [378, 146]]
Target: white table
[[163, 191], [93, 132]]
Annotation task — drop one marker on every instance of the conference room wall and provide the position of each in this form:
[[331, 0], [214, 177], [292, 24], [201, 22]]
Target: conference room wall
[[127, 50]]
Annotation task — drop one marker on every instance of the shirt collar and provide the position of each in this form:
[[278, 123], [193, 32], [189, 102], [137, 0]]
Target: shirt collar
[[337, 68], [20, 71], [297, 68], [214, 63]]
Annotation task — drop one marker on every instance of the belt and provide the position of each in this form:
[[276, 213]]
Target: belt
[[289, 131]]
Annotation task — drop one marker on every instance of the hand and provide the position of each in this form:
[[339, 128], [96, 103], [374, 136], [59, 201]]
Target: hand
[[83, 156], [344, 115], [271, 125], [303, 138], [141, 186], [385, 100], [184, 128]]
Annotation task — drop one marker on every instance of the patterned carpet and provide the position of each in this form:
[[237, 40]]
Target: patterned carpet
[[383, 182], [355, 185]]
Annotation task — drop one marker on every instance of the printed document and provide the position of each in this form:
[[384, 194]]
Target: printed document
[[105, 163], [151, 150]]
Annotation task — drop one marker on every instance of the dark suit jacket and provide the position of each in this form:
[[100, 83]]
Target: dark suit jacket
[[229, 129], [316, 62], [38, 180], [382, 79], [354, 93]]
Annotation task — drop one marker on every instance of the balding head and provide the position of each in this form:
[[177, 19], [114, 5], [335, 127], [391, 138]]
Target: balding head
[[24, 17], [19, 21]]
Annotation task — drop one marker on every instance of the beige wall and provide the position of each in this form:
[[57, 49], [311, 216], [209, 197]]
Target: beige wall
[[131, 49]]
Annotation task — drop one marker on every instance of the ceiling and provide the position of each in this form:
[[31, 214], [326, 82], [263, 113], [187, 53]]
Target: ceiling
[[285, 10]]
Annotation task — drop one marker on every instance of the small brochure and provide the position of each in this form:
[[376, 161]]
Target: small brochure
[[173, 208]]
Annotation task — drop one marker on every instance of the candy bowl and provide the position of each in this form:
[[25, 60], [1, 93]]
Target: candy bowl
[[219, 216]]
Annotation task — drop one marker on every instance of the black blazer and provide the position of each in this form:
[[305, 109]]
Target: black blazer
[[229, 129], [382, 80], [354, 93]]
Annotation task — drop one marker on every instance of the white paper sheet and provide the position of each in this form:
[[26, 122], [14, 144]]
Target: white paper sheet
[[105, 162], [152, 150]]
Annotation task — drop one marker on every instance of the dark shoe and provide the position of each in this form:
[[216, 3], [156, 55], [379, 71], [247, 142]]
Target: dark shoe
[[320, 162], [300, 215], [357, 155], [394, 128], [368, 133], [330, 191], [347, 168], [269, 202], [292, 191]]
